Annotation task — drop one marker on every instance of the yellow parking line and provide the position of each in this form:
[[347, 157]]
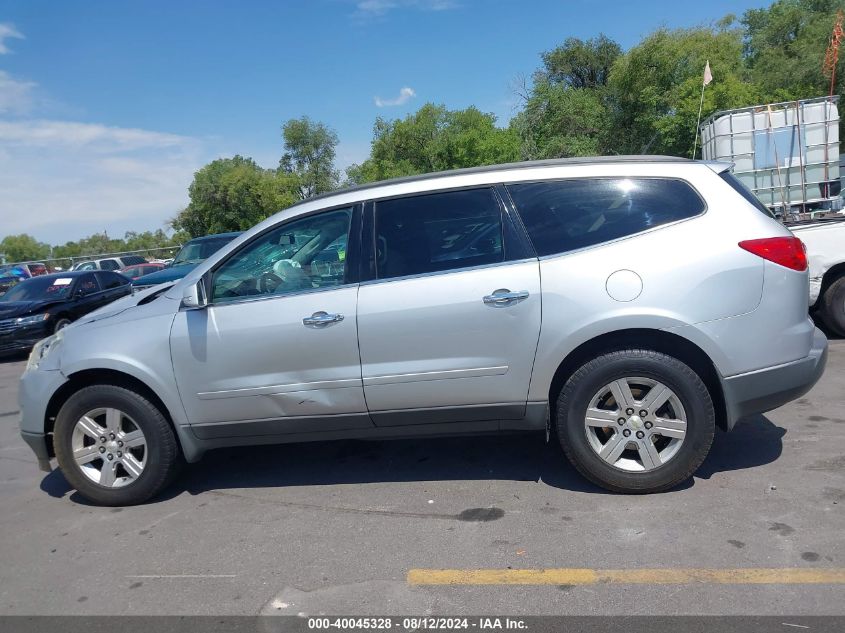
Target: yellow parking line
[[669, 576]]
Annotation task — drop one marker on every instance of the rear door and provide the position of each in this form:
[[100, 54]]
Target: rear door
[[88, 295], [448, 327]]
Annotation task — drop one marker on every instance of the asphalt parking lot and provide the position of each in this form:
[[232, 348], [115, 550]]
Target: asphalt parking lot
[[357, 527]]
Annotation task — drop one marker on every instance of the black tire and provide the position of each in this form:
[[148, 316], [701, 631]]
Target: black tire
[[832, 309], [162, 461], [63, 322], [575, 397]]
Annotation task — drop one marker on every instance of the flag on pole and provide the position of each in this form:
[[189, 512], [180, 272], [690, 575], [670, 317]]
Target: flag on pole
[[708, 76]]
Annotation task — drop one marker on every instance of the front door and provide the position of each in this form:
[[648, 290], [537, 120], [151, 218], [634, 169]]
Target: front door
[[448, 330], [276, 349]]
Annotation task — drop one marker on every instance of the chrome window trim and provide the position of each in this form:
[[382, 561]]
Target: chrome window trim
[[255, 298], [575, 251], [448, 272]]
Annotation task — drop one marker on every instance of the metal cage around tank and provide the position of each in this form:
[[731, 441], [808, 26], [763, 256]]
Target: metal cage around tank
[[787, 153]]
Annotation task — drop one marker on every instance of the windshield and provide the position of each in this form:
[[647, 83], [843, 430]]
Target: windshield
[[40, 289], [195, 252]]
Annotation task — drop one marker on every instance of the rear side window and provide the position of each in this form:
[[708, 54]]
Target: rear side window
[[438, 232], [566, 215], [745, 192], [109, 264], [88, 284]]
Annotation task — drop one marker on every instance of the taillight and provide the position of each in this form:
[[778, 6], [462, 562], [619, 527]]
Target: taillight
[[786, 251]]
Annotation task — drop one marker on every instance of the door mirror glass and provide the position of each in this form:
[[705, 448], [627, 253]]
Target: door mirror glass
[[193, 297]]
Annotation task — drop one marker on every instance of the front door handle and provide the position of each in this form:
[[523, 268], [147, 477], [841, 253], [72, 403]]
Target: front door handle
[[320, 319], [504, 297]]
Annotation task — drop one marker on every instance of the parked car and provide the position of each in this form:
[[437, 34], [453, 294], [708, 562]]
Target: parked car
[[15, 273], [188, 257], [825, 242], [36, 269], [12, 275], [110, 263], [44, 305], [628, 306], [139, 270]]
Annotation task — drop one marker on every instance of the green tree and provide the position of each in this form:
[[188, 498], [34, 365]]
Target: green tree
[[785, 46], [435, 139], [580, 63], [23, 247], [559, 122], [565, 111], [655, 87], [232, 194], [309, 154]]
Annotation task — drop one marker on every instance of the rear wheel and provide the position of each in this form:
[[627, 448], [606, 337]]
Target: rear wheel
[[635, 421], [114, 446], [833, 306]]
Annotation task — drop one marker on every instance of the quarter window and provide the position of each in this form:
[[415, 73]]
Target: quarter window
[[299, 255], [438, 232], [565, 215]]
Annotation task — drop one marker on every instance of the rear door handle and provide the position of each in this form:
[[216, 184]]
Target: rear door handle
[[504, 297], [321, 318]]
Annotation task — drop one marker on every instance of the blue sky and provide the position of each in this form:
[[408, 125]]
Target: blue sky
[[108, 107]]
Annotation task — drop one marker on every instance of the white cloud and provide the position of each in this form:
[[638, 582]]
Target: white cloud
[[91, 135], [8, 31], [62, 180], [405, 95], [378, 8], [15, 95]]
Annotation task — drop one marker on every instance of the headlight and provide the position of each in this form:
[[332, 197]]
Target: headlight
[[29, 320], [42, 349]]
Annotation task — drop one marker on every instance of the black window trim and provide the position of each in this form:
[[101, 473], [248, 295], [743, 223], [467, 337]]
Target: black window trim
[[515, 250], [352, 256], [704, 210]]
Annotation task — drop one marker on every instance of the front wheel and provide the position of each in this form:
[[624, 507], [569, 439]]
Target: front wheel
[[114, 446], [635, 421], [61, 324]]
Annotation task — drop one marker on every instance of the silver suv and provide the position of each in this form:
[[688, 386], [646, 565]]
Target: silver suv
[[626, 305]]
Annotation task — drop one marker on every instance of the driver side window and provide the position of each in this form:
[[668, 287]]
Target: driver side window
[[299, 255]]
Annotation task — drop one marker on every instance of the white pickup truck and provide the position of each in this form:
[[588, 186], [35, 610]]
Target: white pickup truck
[[825, 241]]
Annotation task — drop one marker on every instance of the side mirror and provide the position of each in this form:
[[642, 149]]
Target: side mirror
[[193, 297]]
